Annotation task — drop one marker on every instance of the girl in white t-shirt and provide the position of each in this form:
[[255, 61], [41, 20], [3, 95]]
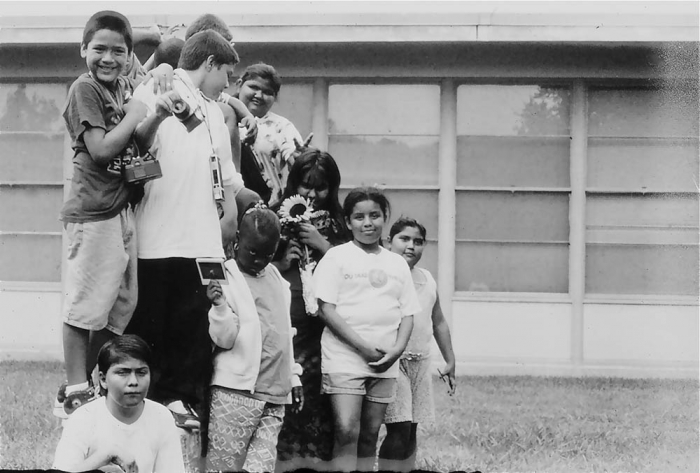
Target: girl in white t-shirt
[[367, 301], [414, 394]]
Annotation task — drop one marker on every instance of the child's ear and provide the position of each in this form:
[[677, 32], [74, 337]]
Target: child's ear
[[210, 63], [83, 50], [347, 223], [103, 380]]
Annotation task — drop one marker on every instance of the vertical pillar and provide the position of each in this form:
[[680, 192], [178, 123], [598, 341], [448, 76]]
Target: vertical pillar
[[577, 218], [447, 181], [319, 120]]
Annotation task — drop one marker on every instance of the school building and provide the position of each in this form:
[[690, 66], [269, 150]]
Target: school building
[[550, 148]]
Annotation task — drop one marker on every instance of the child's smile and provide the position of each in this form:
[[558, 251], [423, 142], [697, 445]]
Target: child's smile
[[106, 55]]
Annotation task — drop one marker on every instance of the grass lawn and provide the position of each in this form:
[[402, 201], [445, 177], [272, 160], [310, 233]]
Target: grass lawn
[[492, 424]]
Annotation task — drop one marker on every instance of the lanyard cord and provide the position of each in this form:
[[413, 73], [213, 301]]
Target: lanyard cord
[[196, 93]]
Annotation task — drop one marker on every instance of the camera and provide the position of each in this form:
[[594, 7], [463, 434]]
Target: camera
[[216, 182], [186, 115], [141, 169]]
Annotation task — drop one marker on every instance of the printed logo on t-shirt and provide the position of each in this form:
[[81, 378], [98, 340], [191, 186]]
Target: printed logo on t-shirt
[[377, 278]]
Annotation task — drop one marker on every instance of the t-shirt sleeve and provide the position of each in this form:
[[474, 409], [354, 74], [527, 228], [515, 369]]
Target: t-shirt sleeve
[[408, 301], [169, 456], [144, 93], [73, 447], [327, 277], [85, 109]]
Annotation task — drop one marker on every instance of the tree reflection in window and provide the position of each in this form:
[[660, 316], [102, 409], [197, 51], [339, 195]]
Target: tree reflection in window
[[32, 107]]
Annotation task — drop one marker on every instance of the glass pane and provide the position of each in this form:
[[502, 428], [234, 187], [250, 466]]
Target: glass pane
[[512, 267], [512, 216], [512, 162], [30, 258], [642, 269], [512, 110], [295, 103], [634, 164], [386, 160], [31, 157], [32, 107], [614, 211], [384, 109], [25, 208], [643, 112]]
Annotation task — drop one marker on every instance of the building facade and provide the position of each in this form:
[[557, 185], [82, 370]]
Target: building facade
[[551, 150]]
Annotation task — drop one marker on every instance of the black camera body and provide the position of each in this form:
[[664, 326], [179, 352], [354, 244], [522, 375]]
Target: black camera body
[[186, 115], [141, 169]]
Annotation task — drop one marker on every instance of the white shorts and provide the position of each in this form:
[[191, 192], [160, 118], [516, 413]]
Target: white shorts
[[414, 393]]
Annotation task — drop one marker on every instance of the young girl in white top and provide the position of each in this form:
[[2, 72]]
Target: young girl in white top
[[414, 396], [367, 301]]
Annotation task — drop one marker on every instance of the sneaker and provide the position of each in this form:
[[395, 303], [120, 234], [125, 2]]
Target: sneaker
[[58, 409], [77, 398], [185, 417]]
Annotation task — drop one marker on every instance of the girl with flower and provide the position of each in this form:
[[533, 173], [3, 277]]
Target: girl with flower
[[314, 224]]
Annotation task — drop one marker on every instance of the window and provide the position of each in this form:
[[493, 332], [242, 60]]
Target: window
[[31, 181], [642, 201], [387, 134], [295, 103], [512, 188]]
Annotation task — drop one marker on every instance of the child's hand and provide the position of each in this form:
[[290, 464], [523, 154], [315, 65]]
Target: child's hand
[[297, 399], [301, 147], [291, 254], [165, 103], [448, 376], [215, 293], [136, 107], [310, 236], [162, 78], [251, 129], [388, 358], [372, 355]]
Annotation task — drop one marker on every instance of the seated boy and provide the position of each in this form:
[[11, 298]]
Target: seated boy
[[123, 428], [178, 221], [100, 268]]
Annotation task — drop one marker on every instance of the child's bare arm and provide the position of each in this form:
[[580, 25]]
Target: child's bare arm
[[103, 145], [146, 131], [392, 354], [441, 332], [345, 333]]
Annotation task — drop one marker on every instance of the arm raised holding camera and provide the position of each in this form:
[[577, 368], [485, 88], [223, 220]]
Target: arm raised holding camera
[[164, 107]]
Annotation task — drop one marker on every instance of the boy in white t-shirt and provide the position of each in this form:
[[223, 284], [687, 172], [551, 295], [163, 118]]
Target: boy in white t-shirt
[[121, 429]]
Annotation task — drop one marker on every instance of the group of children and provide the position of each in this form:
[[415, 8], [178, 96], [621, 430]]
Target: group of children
[[244, 361]]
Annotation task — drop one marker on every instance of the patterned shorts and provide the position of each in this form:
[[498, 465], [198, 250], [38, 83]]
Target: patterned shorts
[[242, 432], [414, 393]]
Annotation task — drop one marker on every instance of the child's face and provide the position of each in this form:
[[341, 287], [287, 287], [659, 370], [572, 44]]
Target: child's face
[[410, 244], [317, 195], [126, 382], [106, 55], [366, 222], [257, 95], [255, 252], [216, 79]]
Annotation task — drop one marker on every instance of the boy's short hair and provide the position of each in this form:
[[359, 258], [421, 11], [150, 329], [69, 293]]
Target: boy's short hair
[[204, 44], [120, 348], [209, 21], [168, 52], [265, 72], [108, 20]]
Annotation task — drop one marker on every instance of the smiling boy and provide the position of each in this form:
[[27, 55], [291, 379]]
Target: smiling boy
[[123, 428]]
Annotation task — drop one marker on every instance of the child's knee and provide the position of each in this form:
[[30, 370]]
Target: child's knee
[[347, 432]]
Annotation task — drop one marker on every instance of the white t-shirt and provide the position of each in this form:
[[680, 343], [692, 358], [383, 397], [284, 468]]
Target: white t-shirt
[[372, 293], [177, 216], [422, 334], [153, 440]]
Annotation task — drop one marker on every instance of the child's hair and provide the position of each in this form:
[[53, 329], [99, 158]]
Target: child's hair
[[405, 222], [361, 194], [204, 44], [108, 20], [265, 72], [120, 348], [209, 21], [260, 220], [168, 52], [322, 170]]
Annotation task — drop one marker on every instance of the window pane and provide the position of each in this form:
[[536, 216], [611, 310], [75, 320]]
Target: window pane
[[643, 112], [31, 157], [295, 103], [636, 163], [512, 161], [512, 110], [511, 267], [386, 160], [384, 109], [30, 257], [642, 269], [32, 107], [30, 208], [642, 210], [512, 216]]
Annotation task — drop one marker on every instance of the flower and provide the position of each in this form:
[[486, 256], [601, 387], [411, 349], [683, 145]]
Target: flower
[[295, 209]]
